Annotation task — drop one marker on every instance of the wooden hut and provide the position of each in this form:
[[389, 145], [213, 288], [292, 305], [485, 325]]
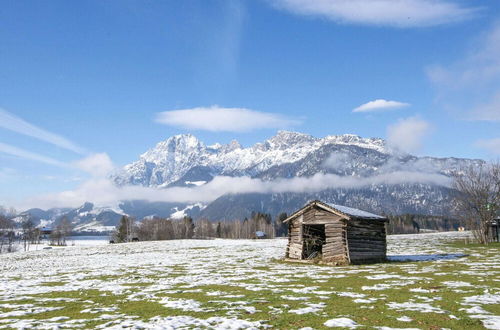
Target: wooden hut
[[494, 232], [336, 234]]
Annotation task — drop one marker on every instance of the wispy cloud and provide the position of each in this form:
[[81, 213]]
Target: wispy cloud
[[13, 123], [227, 37], [25, 154], [98, 165], [102, 191], [491, 145], [217, 119], [395, 13], [407, 134], [471, 85], [380, 105]]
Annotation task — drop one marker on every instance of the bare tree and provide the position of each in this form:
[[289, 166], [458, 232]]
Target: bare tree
[[188, 227], [61, 232], [125, 231], [28, 230], [204, 229], [477, 199], [64, 228], [7, 234], [165, 229]]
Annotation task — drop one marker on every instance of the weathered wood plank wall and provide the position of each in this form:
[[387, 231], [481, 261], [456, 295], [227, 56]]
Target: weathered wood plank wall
[[366, 240], [294, 249], [335, 246], [319, 217], [350, 240]]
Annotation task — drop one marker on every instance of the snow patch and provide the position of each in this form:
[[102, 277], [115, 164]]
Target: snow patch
[[341, 322]]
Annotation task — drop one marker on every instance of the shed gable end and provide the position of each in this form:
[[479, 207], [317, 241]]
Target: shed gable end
[[318, 216]]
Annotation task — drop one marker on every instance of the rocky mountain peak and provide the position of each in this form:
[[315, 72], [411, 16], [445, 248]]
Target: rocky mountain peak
[[231, 146], [288, 138], [185, 161], [177, 144], [377, 144], [173, 158]]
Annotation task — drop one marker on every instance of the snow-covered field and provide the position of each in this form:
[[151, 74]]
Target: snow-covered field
[[71, 241], [236, 284]]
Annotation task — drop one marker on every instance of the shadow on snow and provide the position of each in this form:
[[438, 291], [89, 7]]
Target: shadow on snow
[[426, 257]]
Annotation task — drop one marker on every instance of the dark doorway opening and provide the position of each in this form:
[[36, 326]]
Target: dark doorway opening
[[314, 238]]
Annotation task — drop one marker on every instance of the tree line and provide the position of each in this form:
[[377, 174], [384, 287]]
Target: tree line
[[414, 223], [156, 228], [14, 236]]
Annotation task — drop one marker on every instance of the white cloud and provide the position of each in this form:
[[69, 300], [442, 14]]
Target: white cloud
[[223, 43], [102, 191], [395, 13], [21, 153], [380, 105], [98, 165], [491, 145], [471, 85], [13, 123], [216, 119], [407, 134]]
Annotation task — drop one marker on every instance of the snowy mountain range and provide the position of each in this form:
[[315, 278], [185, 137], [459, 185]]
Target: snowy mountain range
[[184, 160], [374, 177]]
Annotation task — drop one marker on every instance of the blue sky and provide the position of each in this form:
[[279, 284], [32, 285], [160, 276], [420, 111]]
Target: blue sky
[[96, 75]]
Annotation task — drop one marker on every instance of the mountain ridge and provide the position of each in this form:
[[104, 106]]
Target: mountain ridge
[[170, 159], [185, 161]]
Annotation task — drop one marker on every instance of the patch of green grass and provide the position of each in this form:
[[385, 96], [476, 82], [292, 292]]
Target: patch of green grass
[[471, 245], [492, 308], [83, 299], [15, 278], [143, 309], [53, 283], [105, 277]]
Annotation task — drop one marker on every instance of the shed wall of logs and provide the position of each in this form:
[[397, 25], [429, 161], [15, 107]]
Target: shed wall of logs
[[347, 240], [366, 240]]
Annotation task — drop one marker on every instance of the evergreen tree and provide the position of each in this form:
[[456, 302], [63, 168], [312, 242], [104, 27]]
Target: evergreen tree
[[124, 230], [218, 231], [281, 228], [189, 227]]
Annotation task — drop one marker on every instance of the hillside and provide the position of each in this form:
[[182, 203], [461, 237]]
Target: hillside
[[343, 169]]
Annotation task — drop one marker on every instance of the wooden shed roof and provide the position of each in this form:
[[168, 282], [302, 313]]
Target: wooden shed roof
[[343, 211]]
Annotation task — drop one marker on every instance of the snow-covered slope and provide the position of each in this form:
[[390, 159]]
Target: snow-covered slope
[[171, 160], [93, 218], [183, 160]]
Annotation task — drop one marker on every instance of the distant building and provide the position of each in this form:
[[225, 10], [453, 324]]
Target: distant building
[[260, 235], [45, 231], [495, 230], [336, 234]]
